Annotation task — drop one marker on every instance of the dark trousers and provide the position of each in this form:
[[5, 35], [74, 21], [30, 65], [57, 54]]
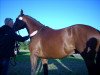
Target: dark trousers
[[4, 64], [98, 62]]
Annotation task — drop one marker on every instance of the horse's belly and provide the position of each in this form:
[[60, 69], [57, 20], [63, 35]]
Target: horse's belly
[[56, 53]]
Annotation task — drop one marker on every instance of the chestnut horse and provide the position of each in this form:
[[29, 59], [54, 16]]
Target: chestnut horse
[[60, 43]]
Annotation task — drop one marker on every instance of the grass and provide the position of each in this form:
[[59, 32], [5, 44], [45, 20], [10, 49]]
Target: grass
[[65, 66], [23, 57]]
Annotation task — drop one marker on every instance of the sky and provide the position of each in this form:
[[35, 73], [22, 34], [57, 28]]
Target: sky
[[56, 14]]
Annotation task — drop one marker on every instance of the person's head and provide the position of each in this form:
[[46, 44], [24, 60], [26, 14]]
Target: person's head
[[9, 22]]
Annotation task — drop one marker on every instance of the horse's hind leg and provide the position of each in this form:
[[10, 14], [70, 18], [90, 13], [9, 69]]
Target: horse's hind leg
[[45, 66]]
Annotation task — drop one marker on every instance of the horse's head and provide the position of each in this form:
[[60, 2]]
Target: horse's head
[[20, 23], [25, 21]]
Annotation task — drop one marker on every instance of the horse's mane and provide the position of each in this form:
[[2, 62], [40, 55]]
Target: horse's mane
[[37, 22]]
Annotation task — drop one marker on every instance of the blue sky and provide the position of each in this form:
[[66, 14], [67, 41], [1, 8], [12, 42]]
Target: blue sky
[[56, 14]]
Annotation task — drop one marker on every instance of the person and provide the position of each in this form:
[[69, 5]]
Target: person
[[98, 62], [8, 44], [89, 55]]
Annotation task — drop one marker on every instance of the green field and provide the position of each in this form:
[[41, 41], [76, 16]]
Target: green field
[[66, 66]]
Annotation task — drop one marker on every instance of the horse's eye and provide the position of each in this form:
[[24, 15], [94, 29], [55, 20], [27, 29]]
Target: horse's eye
[[20, 18]]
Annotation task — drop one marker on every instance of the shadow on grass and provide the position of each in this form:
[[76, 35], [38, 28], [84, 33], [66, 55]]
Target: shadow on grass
[[65, 66]]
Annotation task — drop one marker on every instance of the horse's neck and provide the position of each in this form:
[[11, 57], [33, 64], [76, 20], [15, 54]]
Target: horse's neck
[[33, 28]]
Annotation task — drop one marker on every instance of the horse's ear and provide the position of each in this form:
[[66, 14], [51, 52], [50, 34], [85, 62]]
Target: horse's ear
[[21, 12]]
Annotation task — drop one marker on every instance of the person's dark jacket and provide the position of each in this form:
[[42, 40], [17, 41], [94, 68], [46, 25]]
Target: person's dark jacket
[[8, 37]]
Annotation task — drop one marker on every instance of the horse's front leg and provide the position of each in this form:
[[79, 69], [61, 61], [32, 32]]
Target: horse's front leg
[[45, 66], [34, 59]]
